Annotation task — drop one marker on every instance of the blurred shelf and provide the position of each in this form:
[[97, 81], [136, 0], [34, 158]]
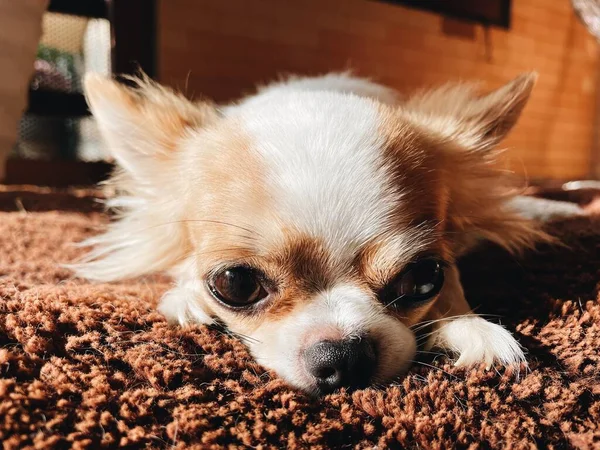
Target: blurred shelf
[[56, 173], [55, 103]]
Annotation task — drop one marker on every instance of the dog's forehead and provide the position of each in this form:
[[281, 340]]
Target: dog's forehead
[[328, 165]]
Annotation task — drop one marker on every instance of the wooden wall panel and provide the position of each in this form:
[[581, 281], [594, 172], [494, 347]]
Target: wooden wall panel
[[221, 49]]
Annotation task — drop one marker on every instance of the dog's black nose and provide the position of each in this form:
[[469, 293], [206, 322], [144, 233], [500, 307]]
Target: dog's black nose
[[336, 364]]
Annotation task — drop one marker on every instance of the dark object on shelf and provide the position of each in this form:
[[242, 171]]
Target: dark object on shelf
[[47, 137], [133, 24], [86, 8], [582, 192], [486, 12], [56, 173], [53, 103]]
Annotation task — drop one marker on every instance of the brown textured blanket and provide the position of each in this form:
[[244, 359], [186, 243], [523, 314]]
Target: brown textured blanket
[[94, 366]]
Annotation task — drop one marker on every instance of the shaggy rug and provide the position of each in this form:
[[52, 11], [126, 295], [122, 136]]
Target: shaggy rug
[[94, 366]]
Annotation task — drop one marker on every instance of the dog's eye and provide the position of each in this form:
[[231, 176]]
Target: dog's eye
[[237, 287], [421, 281]]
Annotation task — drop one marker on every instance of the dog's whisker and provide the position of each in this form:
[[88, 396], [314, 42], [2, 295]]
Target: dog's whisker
[[431, 366], [420, 325], [220, 222], [431, 353], [424, 337], [387, 305], [253, 235], [240, 336]]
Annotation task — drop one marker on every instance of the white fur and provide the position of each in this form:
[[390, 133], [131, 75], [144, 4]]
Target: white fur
[[183, 303], [319, 146], [326, 177], [335, 82], [141, 242], [476, 340], [347, 308]]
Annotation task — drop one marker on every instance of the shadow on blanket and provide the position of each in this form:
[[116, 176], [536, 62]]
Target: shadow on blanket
[[92, 366]]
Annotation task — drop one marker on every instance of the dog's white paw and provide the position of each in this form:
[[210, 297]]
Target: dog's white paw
[[180, 305], [475, 340]]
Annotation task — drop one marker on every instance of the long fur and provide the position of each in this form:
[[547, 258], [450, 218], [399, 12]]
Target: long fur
[[142, 128], [142, 240], [312, 178]]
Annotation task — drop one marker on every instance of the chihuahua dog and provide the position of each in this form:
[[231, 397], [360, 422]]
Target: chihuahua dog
[[320, 219]]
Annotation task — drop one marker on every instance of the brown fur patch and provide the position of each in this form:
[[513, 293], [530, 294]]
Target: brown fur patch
[[305, 268], [418, 218], [410, 157], [379, 262], [457, 190], [306, 261], [225, 195]]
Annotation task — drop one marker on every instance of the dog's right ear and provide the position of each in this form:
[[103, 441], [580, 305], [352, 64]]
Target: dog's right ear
[[142, 124]]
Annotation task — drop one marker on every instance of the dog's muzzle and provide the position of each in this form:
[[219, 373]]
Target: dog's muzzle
[[334, 364]]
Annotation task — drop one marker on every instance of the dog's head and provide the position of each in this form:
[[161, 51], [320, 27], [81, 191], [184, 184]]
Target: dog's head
[[320, 226]]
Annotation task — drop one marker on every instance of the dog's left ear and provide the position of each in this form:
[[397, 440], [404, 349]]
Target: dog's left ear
[[477, 122]]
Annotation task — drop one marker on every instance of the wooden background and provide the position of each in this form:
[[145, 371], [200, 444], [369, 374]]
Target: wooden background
[[20, 31], [221, 49]]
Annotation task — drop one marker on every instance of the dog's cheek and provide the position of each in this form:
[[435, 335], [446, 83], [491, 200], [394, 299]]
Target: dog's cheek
[[396, 347], [277, 347]]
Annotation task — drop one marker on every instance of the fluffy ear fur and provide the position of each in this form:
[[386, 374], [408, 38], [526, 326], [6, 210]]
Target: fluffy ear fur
[[142, 127], [471, 126], [476, 122], [479, 206], [142, 124]]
